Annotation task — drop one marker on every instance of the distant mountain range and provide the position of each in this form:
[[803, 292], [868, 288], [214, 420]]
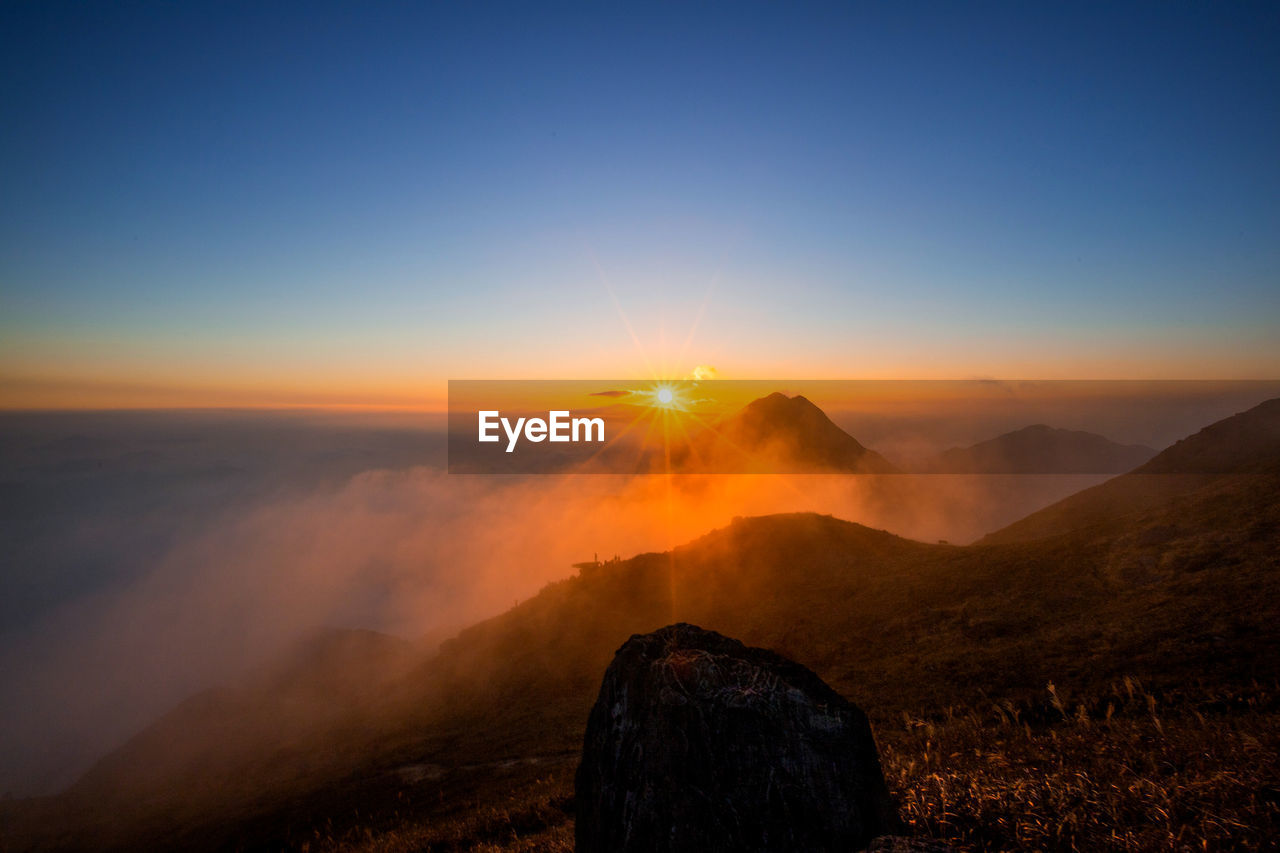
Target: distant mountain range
[[1041, 449], [777, 434], [1170, 574]]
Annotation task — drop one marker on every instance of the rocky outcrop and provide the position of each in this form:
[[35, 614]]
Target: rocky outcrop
[[699, 743]]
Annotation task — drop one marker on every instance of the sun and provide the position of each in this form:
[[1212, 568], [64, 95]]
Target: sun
[[666, 398]]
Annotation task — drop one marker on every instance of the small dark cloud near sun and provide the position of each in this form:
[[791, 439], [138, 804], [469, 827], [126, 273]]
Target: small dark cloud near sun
[[612, 393]]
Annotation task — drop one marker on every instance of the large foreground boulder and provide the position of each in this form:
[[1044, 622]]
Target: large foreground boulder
[[699, 743]]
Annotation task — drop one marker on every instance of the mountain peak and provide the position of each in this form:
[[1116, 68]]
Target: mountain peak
[[778, 401], [777, 433]]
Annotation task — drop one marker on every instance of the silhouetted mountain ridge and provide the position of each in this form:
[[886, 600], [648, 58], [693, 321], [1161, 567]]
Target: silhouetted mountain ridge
[[1042, 449], [776, 434]]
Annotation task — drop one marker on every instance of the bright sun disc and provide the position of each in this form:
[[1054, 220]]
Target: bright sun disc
[[665, 396]]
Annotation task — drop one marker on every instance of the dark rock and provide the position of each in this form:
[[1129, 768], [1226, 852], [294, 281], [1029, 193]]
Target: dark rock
[[699, 743]]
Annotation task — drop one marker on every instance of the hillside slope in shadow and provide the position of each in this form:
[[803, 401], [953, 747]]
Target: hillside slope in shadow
[[1243, 444]]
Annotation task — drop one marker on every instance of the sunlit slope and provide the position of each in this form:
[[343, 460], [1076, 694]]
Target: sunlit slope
[[1189, 591], [1244, 444]]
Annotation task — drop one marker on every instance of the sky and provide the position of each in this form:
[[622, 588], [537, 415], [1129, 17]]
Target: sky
[[277, 204]]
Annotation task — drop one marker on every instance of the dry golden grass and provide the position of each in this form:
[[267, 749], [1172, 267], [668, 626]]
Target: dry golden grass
[[1124, 771], [1119, 770], [523, 817]]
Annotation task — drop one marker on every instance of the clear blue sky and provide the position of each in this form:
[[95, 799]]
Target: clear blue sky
[[300, 197]]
